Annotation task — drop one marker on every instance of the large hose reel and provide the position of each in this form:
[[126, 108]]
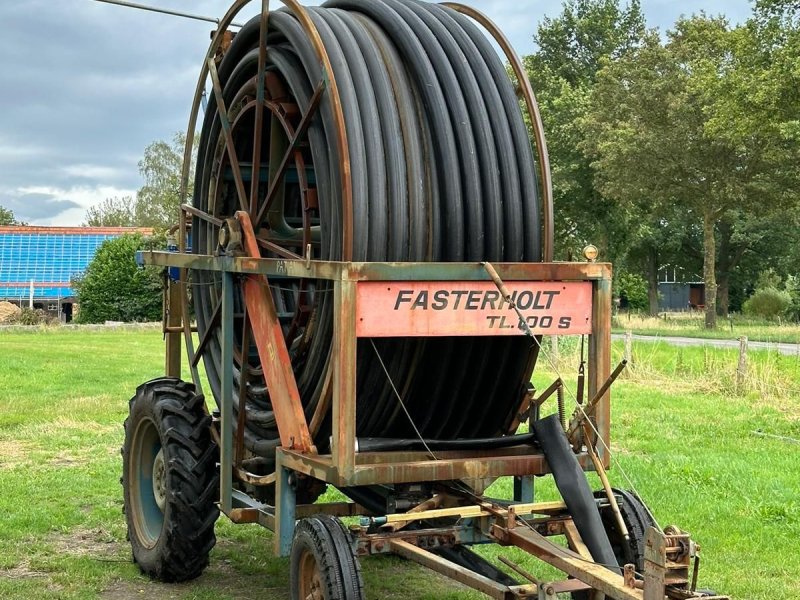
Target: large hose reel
[[387, 131]]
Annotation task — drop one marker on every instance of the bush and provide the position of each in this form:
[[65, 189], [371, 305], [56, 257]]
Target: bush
[[634, 289], [792, 288], [29, 316], [114, 288], [769, 303]]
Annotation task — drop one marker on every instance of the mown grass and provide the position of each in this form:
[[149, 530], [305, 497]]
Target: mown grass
[[693, 325], [682, 431]]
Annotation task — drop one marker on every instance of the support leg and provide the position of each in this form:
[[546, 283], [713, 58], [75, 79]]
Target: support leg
[[226, 408], [523, 490], [173, 320], [285, 509]]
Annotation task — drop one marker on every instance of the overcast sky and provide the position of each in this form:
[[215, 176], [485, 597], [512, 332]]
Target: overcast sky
[[87, 86]]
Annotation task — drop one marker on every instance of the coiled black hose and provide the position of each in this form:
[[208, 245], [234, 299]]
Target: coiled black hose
[[442, 170]]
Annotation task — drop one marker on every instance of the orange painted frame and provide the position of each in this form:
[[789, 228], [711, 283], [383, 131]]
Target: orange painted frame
[[272, 351]]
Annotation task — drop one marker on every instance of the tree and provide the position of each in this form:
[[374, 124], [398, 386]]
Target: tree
[[571, 51], [159, 199], [7, 218], [563, 71], [115, 288], [653, 135], [157, 202], [112, 212]]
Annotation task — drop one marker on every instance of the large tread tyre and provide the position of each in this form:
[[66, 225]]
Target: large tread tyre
[[323, 565], [170, 480], [637, 518]]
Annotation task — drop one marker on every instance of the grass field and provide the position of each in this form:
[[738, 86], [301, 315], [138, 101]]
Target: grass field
[[693, 325], [681, 430]]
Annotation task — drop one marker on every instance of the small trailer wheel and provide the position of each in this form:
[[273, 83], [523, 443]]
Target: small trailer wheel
[[637, 518], [169, 480], [323, 565]]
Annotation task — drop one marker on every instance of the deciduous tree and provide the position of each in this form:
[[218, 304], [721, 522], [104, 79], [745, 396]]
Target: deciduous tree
[[563, 71], [7, 217], [159, 199], [112, 212], [654, 138]]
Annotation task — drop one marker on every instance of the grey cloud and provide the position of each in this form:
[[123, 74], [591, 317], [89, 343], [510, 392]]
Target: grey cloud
[[33, 207]]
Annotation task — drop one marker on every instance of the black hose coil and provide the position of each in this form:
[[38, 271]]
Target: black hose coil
[[442, 170]]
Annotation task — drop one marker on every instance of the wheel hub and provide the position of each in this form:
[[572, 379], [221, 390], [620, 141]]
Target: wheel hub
[[310, 581], [160, 480]]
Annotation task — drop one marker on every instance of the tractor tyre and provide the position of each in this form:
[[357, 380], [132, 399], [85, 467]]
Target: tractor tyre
[[170, 480]]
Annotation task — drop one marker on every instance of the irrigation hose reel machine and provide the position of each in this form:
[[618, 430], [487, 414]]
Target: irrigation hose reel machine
[[368, 257]]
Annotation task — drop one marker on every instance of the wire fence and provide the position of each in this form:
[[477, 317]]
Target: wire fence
[[742, 371]]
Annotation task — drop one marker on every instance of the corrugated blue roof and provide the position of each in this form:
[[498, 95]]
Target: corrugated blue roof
[[48, 256]]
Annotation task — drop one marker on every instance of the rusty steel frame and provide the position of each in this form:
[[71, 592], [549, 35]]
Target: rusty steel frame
[[479, 522], [344, 467], [340, 468]]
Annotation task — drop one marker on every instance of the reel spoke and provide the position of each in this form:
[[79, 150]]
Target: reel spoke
[[222, 112]]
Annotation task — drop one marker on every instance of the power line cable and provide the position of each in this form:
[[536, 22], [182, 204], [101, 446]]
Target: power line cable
[[164, 11]]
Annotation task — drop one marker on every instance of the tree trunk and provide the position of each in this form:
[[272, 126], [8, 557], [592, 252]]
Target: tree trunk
[[652, 281], [709, 268]]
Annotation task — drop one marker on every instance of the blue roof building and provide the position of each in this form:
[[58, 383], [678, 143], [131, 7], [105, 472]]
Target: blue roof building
[[46, 259]]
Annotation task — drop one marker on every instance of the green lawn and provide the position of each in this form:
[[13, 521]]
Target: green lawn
[[681, 433], [693, 325]]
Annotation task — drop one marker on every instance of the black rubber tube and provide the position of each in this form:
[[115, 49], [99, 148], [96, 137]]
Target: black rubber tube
[[387, 444], [574, 488], [442, 171]]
